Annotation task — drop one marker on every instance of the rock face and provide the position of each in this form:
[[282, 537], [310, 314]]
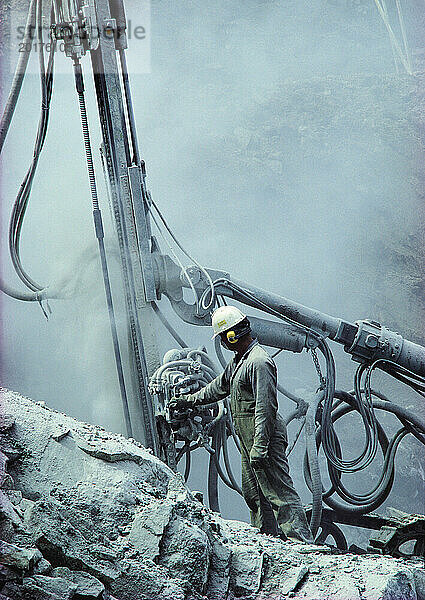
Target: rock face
[[89, 515]]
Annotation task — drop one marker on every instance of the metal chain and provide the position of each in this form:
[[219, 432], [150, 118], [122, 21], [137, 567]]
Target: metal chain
[[317, 365]]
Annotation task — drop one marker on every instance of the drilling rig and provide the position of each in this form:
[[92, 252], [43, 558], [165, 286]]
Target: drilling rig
[[95, 31]]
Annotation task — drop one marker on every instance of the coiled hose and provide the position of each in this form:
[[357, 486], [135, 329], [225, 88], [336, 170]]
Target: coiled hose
[[364, 503]]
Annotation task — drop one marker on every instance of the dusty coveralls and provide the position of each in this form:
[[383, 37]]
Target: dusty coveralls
[[267, 490]]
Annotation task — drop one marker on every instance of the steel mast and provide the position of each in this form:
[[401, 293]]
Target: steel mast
[[99, 27]]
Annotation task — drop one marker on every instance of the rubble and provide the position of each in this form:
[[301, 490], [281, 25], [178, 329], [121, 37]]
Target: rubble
[[91, 515]]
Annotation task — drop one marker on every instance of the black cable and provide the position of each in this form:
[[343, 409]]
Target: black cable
[[216, 445], [226, 456], [182, 450], [187, 463], [416, 382], [213, 501], [386, 450], [330, 529], [168, 325], [277, 352]]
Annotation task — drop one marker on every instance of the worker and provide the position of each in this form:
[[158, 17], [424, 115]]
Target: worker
[[251, 380]]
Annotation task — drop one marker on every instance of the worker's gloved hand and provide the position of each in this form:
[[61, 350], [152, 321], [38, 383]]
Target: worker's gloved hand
[[258, 457], [181, 403]]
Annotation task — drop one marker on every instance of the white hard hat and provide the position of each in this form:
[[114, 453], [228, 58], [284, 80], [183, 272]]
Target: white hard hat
[[224, 318]]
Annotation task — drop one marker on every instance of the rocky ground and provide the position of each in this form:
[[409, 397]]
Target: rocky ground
[[86, 514]]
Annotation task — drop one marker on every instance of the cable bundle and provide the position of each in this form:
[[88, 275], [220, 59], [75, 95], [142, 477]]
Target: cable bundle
[[21, 202]]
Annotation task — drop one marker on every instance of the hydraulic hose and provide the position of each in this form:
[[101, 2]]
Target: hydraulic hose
[[334, 531], [18, 76], [174, 363], [367, 502], [342, 397], [219, 417], [379, 491], [168, 325], [182, 450], [227, 462], [216, 445], [187, 462], [313, 461], [21, 202], [365, 409], [213, 478], [18, 295]]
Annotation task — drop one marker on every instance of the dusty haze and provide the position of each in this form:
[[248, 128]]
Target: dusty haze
[[281, 146]]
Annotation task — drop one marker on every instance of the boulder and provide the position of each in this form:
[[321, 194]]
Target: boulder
[[87, 586], [21, 559]]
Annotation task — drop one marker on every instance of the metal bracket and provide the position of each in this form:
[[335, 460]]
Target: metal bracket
[[142, 231], [373, 341], [170, 281], [89, 23]]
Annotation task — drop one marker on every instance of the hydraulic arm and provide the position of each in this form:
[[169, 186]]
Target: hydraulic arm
[[300, 326]]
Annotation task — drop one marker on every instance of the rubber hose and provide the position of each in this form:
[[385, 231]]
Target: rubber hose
[[384, 405], [174, 363], [187, 463], [218, 441], [334, 531], [229, 471], [231, 425], [311, 451], [342, 410], [168, 325], [336, 476], [380, 490], [182, 450], [213, 482], [18, 76]]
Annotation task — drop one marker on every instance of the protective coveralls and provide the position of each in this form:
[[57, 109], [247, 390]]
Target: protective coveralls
[[267, 487]]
